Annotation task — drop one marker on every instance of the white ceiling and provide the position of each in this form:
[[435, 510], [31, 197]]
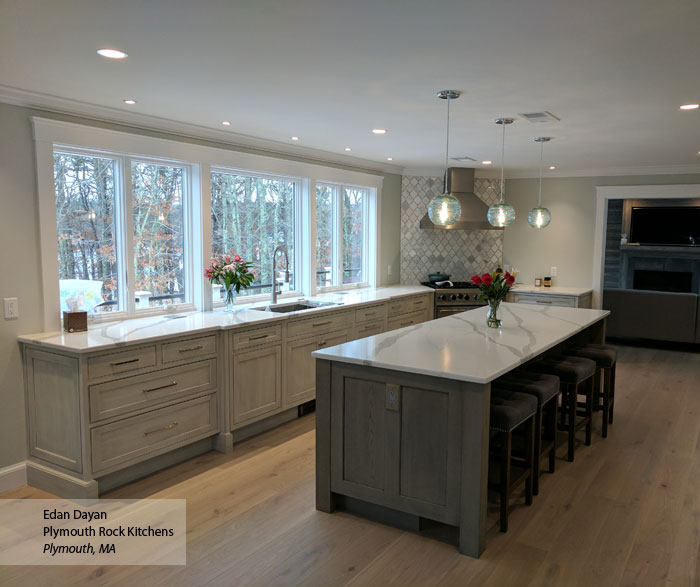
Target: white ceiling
[[614, 71]]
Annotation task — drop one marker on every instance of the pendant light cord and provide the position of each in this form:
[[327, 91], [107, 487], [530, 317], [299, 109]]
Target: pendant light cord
[[539, 199], [447, 147], [503, 158]]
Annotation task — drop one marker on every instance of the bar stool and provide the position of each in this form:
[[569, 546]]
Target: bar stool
[[545, 388], [576, 377], [509, 411], [605, 357]]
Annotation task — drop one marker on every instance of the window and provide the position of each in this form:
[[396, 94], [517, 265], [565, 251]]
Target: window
[[96, 260], [85, 223], [250, 216], [341, 236], [159, 236]]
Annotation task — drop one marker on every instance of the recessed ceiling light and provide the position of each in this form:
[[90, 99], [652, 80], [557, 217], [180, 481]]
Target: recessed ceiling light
[[225, 123], [389, 158], [552, 167], [130, 102], [112, 53], [348, 149], [379, 131], [486, 162], [295, 138], [690, 106]]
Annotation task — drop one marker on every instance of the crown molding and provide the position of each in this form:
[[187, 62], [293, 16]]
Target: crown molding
[[608, 171], [50, 103]]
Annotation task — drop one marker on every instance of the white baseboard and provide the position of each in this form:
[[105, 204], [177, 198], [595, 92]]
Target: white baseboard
[[13, 476]]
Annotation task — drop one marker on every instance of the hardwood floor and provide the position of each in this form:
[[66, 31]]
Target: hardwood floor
[[626, 512]]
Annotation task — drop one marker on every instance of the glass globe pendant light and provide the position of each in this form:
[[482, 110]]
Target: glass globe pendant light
[[501, 214], [540, 217], [444, 209]]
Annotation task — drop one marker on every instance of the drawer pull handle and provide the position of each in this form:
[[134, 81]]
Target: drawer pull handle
[[136, 360], [323, 323], [192, 348], [258, 337], [543, 302], [418, 302], [370, 313], [163, 429], [322, 343], [173, 384], [407, 323]]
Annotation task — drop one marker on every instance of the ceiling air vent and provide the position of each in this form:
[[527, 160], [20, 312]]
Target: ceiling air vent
[[540, 116], [464, 159]]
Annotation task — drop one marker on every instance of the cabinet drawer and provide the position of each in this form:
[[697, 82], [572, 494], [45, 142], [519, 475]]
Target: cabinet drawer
[[407, 320], [140, 437], [370, 313], [143, 391], [545, 300], [121, 362], [192, 348], [408, 305], [256, 336], [325, 323], [369, 329]]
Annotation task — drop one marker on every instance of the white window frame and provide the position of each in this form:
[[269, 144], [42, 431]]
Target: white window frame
[[337, 236], [297, 259], [49, 134]]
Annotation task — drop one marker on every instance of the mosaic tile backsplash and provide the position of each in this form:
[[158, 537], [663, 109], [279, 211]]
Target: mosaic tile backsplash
[[460, 253]]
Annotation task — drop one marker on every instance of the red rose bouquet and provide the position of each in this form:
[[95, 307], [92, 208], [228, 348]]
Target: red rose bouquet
[[494, 287]]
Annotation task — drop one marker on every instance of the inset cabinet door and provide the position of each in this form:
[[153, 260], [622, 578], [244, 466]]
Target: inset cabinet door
[[257, 383], [301, 366]]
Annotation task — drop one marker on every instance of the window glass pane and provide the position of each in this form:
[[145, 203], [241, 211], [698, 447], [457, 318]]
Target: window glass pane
[[353, 235], [324, 235], [157, 202], [85, 223], [250, 216]]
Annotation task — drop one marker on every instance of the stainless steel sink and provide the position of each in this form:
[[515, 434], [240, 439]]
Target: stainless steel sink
[[294, 306]]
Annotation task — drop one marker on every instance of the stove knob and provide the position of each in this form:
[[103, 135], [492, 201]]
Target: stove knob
[[460, 296], [453, 297], [466, 297], [442, 297]]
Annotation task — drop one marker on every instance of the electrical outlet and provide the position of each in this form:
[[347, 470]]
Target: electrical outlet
[[389, 270], [553, 272], [11, 308]]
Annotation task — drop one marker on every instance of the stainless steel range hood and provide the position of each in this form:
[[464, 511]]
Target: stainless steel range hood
[[460, 184]]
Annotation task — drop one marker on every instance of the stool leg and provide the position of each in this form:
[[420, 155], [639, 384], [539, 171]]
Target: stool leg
[[553, 424], [589, 409], [606, 400], [612, 392], [572, 394], [506, 441], [537, 453], [529, 458]]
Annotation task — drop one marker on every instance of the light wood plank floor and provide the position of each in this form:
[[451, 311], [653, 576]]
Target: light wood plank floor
[[626, 512]]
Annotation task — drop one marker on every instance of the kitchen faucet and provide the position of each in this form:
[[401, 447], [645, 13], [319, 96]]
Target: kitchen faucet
[[274, 271]]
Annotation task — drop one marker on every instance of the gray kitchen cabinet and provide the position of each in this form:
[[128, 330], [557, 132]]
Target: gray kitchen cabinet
[[301, 366], [256, 383]]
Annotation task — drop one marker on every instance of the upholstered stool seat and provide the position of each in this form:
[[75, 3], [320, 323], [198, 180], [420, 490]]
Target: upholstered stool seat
[[510, 411], [605, 357], [545, 388], [576, 377]]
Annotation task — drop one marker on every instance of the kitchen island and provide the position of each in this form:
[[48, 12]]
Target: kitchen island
[[402, 418]]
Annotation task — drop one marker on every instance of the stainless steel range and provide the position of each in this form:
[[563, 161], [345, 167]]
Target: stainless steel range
[[452, 297]]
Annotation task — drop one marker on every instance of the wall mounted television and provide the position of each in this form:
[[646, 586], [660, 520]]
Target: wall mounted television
[[672, 225]]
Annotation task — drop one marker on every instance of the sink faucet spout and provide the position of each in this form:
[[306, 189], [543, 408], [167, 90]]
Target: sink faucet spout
[[274, 270]]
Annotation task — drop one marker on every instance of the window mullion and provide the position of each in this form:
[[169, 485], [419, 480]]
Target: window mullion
[[337, 270], [127, 220]]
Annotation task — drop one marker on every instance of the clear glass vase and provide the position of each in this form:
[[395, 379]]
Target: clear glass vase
[[230, 297], [492, 319]]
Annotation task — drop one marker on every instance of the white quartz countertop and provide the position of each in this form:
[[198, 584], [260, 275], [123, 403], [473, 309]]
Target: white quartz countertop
[[555, 290], [462, 347], [105, 335]]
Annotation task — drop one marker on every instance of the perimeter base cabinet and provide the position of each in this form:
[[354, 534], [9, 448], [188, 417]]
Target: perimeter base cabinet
[[116, 412], [257, 383]]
